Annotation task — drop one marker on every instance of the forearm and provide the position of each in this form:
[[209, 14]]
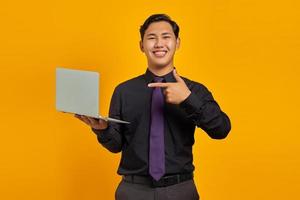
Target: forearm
[[213, 121], [109, 138], [204, 111]]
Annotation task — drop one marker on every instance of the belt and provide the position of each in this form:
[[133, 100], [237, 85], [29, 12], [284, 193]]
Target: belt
[[163, 182]]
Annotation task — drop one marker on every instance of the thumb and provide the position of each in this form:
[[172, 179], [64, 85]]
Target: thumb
[[177, 77]]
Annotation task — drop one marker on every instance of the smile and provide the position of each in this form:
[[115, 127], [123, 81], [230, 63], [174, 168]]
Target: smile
[[159, 53]]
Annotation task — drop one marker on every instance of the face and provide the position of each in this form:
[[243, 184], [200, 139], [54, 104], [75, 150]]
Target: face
[[159, 44]]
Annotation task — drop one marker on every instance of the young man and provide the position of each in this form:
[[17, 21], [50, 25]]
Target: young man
[[163, 110]]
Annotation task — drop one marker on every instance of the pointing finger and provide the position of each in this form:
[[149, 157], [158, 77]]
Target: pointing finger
[[163, 85]]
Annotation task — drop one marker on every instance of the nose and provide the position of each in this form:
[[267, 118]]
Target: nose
[[158, 43]]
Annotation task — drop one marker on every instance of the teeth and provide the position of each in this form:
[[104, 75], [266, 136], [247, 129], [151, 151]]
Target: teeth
[[160, 53]]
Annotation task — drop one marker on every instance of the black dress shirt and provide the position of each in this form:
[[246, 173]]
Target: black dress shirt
[[131, 102]]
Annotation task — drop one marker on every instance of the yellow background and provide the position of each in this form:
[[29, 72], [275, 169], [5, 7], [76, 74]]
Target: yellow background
[[245, 51]]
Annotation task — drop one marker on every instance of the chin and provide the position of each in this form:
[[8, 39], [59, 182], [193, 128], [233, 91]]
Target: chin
[[160, 65]]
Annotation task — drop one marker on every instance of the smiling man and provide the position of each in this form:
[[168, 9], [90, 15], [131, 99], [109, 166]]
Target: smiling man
[[163, 109]]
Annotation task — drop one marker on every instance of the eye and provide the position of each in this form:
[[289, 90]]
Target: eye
[[151, 38], [166, 37]]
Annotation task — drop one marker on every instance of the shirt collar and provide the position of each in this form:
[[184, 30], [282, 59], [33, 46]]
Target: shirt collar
[[149, 76]]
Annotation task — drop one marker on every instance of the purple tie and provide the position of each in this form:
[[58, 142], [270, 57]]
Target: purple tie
[[157, 149]]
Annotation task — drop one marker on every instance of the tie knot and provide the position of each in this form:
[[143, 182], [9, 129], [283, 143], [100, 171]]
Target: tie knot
[[158, 79]]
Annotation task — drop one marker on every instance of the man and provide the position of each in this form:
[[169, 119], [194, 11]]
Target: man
[[163, 110]]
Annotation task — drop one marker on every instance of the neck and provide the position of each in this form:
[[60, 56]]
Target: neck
[[161, 71]]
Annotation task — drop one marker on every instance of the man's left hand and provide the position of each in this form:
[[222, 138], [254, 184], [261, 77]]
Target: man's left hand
[[176, 92]]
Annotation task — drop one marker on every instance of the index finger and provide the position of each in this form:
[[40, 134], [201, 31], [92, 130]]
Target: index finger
[[92, 120], [163, 85]]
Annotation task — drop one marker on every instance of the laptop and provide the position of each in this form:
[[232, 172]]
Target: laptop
[[77, 92]]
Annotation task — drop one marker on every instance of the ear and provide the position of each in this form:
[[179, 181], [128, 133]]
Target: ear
[[141, 46], [178, 43]]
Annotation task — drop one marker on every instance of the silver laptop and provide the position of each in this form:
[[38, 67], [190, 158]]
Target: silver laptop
[[77, 91]]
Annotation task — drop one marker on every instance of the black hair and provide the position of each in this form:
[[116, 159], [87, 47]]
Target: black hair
[[157, 18]]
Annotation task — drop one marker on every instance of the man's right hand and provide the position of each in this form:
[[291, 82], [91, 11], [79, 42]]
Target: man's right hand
[[98, 124]]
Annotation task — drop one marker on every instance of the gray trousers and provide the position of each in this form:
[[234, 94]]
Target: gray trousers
[[182, 191]]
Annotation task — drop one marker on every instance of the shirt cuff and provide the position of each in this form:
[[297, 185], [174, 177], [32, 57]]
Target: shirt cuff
[[191, 104], [103, 135]]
